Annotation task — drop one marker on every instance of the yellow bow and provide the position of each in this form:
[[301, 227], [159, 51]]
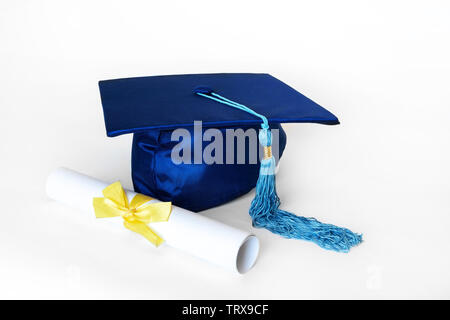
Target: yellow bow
[[136, 215]]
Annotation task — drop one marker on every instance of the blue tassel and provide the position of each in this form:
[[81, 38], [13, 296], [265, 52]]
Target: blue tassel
[[265, 212]]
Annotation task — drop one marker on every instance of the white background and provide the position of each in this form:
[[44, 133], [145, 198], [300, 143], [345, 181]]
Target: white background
[[381, 66]]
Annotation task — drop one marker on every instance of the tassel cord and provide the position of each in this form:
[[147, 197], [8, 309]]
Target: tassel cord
[[264, 208]]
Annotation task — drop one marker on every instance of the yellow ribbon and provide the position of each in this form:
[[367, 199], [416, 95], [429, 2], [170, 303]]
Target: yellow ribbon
[[136, 214]]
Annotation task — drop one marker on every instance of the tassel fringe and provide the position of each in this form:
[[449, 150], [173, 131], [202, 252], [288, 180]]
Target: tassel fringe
[[265, 213]]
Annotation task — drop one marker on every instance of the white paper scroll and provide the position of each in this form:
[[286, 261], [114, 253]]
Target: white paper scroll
[[200, 236]]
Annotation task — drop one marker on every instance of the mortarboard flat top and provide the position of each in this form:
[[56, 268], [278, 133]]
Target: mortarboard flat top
[[170, 102]]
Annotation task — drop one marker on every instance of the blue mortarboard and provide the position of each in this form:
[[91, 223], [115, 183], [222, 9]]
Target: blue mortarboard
[[153, 107], [169, 102]]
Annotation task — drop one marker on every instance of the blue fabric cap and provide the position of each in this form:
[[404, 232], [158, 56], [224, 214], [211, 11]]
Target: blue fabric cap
[[152, 107]]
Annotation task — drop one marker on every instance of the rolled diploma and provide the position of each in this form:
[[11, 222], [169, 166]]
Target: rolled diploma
[[200, 236]]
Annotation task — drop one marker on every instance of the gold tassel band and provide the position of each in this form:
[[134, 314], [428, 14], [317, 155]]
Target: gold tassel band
[[267, 152]]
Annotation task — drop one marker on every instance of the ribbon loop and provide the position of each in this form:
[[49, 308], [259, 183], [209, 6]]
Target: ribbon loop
[[136, 214]]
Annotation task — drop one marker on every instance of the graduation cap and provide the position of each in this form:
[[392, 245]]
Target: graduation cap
[[153, 108]]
